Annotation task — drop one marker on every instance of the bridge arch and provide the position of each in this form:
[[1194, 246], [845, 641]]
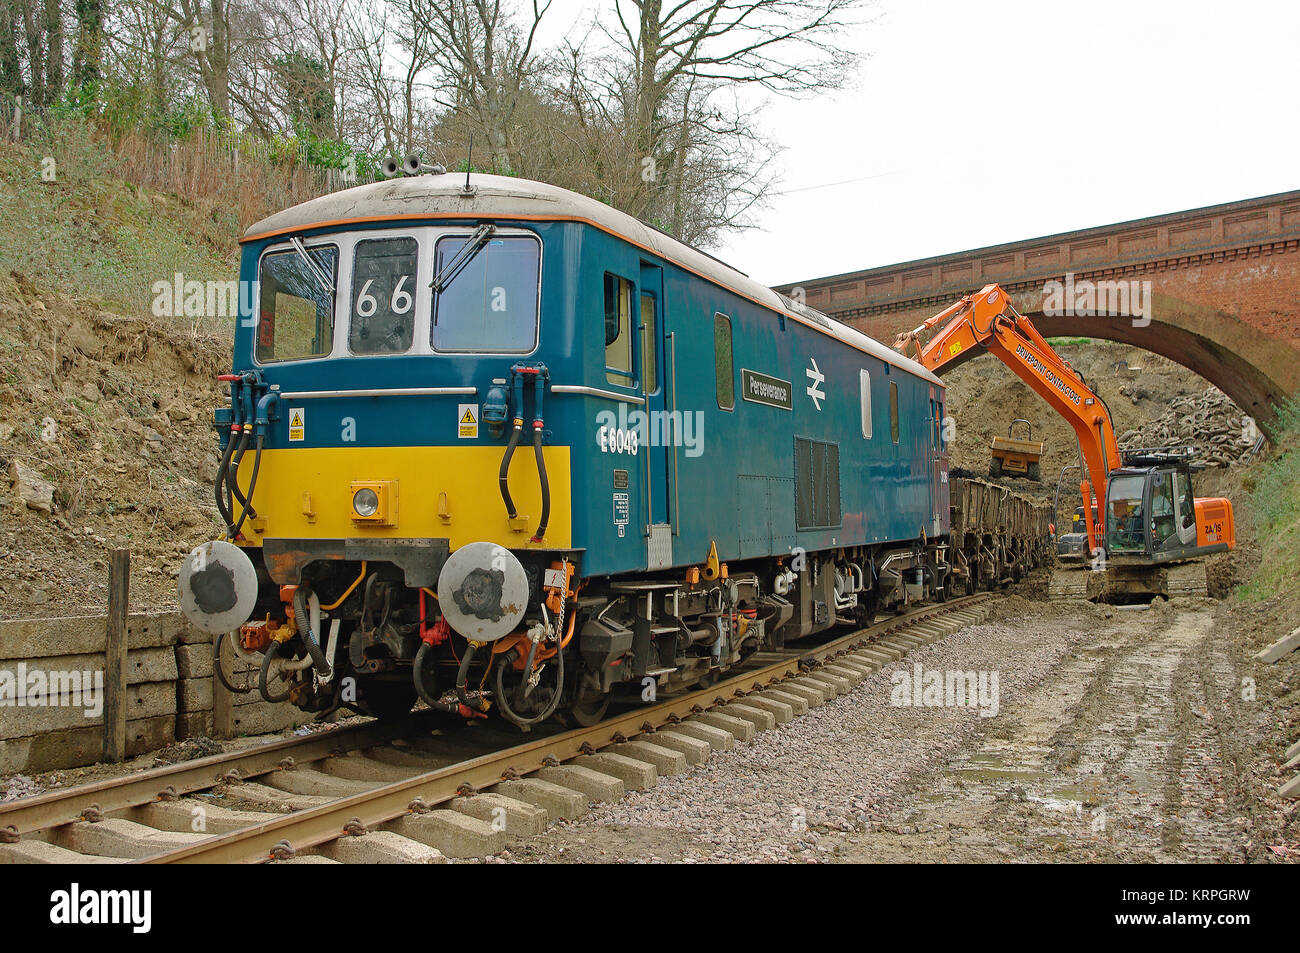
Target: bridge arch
[[1255, 370]]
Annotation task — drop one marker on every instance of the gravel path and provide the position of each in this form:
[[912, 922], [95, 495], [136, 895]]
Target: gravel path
[[802, 791]]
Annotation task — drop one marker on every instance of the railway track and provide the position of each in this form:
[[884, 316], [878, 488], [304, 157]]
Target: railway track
[[392, 792]]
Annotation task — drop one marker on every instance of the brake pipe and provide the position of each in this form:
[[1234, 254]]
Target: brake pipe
[[218, 485], [541, 376], [247, 418], [252, 485], [479, 704], [266, 412], [503, 477], [229, 437], [352, 588], [308, 623]]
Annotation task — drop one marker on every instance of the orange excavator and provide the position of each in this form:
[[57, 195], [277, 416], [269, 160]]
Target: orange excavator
[[1146, 537]]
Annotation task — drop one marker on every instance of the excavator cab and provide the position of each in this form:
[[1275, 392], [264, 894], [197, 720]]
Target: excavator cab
[[1152, 515]]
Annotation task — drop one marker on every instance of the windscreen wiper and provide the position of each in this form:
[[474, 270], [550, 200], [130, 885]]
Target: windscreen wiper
[[322, 279], [463, 257]]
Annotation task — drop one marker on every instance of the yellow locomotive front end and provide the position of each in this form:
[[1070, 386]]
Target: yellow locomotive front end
[[388, 380]]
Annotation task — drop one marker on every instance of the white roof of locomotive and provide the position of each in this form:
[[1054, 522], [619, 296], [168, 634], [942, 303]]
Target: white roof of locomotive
[[494, 196]]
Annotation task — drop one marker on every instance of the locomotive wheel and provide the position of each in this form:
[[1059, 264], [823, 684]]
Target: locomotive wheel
[[584, 713], [708, 681], [868, 606], [387, 700]]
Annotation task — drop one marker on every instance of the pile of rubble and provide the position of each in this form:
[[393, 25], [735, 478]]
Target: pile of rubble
[[1210, 422]]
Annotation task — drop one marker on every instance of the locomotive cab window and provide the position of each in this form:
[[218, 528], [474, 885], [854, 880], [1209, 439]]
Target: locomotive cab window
[[489, 301], [893, 411], [383, 296], [618, 330], [724, 361], [296, 304]]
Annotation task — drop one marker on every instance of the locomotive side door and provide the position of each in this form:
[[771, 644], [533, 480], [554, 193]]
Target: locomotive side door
[[655, 473], [938, 465]]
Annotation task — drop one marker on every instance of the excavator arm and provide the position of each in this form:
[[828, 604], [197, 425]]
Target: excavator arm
[[988, 320]]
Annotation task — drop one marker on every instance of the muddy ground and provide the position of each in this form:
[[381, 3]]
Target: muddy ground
[[1121, 736]]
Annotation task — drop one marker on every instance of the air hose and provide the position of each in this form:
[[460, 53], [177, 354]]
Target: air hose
[[539, 390], [540, 377], [233, 430], [462, 682], [546, 486], [232, 472], [504, 476], [252, 484], [264, 676], [220, 669], [424, 691], [503, 695], [306, 628], [223, 506]]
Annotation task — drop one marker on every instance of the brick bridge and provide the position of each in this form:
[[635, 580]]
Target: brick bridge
[[1224, 291]]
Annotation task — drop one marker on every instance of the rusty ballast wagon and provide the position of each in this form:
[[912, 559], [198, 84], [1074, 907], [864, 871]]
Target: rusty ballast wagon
[[997, 535]]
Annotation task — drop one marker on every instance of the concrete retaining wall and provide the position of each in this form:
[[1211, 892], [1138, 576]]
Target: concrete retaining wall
[[170, 690]]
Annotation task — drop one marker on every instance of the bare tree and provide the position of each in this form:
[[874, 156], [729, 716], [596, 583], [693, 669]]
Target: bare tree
[[387, 96], [688, 49], [484, 55]]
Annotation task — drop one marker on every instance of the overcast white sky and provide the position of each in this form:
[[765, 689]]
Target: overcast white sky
[[993, 121]]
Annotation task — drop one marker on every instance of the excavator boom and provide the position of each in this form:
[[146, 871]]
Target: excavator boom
[[988, 320]]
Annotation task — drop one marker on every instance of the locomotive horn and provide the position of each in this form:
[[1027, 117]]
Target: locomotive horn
[[415, 163], [390, 167]]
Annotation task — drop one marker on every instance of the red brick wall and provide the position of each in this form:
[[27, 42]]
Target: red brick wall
[[1263, 290]]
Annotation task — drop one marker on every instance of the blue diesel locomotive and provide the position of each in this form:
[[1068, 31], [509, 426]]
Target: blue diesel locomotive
[[495, 444]]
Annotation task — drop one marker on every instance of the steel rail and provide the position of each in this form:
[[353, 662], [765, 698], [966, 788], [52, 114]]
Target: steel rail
[[56, 808], [314, 826]]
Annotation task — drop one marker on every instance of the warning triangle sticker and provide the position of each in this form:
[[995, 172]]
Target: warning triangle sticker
[[295, 420], [469, 417]]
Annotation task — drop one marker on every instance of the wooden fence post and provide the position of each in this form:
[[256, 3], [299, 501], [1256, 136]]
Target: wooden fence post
[[223, 722], [115, 702]]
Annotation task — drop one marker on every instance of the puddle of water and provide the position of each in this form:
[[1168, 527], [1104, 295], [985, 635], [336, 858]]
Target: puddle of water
[[1010, 764]]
